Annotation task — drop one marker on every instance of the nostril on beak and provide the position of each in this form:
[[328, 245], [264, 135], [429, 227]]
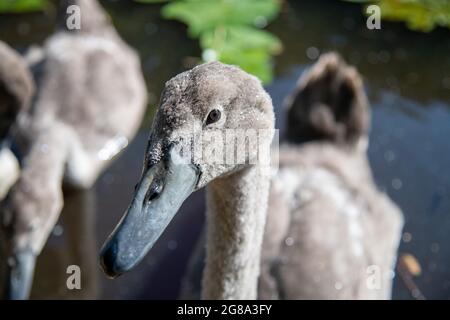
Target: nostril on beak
[[154, 191]]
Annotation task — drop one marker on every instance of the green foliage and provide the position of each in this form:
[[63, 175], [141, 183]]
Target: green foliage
[[203, 15], [248, 47], [22, 6], [419, 15], [231, 31]]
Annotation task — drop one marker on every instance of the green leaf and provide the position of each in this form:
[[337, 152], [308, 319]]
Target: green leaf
[[228, 31], [254, 62], [247, 47], [204, 15], [22, 6], [241, 38]]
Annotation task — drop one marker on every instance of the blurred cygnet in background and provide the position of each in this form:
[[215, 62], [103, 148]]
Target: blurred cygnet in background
[[90, 100], [16, 90]]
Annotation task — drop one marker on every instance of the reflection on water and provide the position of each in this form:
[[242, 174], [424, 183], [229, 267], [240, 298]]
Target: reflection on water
[[408, 79]]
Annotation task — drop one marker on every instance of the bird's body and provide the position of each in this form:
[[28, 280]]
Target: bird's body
[[90, 90], [90, 101], [330, 234]]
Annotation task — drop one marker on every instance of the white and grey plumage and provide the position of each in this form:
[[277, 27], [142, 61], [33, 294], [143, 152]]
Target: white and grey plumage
[[328, 227], [90, 100]]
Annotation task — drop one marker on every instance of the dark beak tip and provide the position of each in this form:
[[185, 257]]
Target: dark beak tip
[[111, 274], [108, 261], [18, 277]]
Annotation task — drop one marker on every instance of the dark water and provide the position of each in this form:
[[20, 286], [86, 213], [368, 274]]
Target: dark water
[[408, 79]]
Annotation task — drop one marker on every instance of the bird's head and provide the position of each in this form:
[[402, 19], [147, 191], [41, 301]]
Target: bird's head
[[212, 120]]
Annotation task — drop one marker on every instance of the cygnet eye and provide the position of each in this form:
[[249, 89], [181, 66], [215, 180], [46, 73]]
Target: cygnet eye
[[213, 116]]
